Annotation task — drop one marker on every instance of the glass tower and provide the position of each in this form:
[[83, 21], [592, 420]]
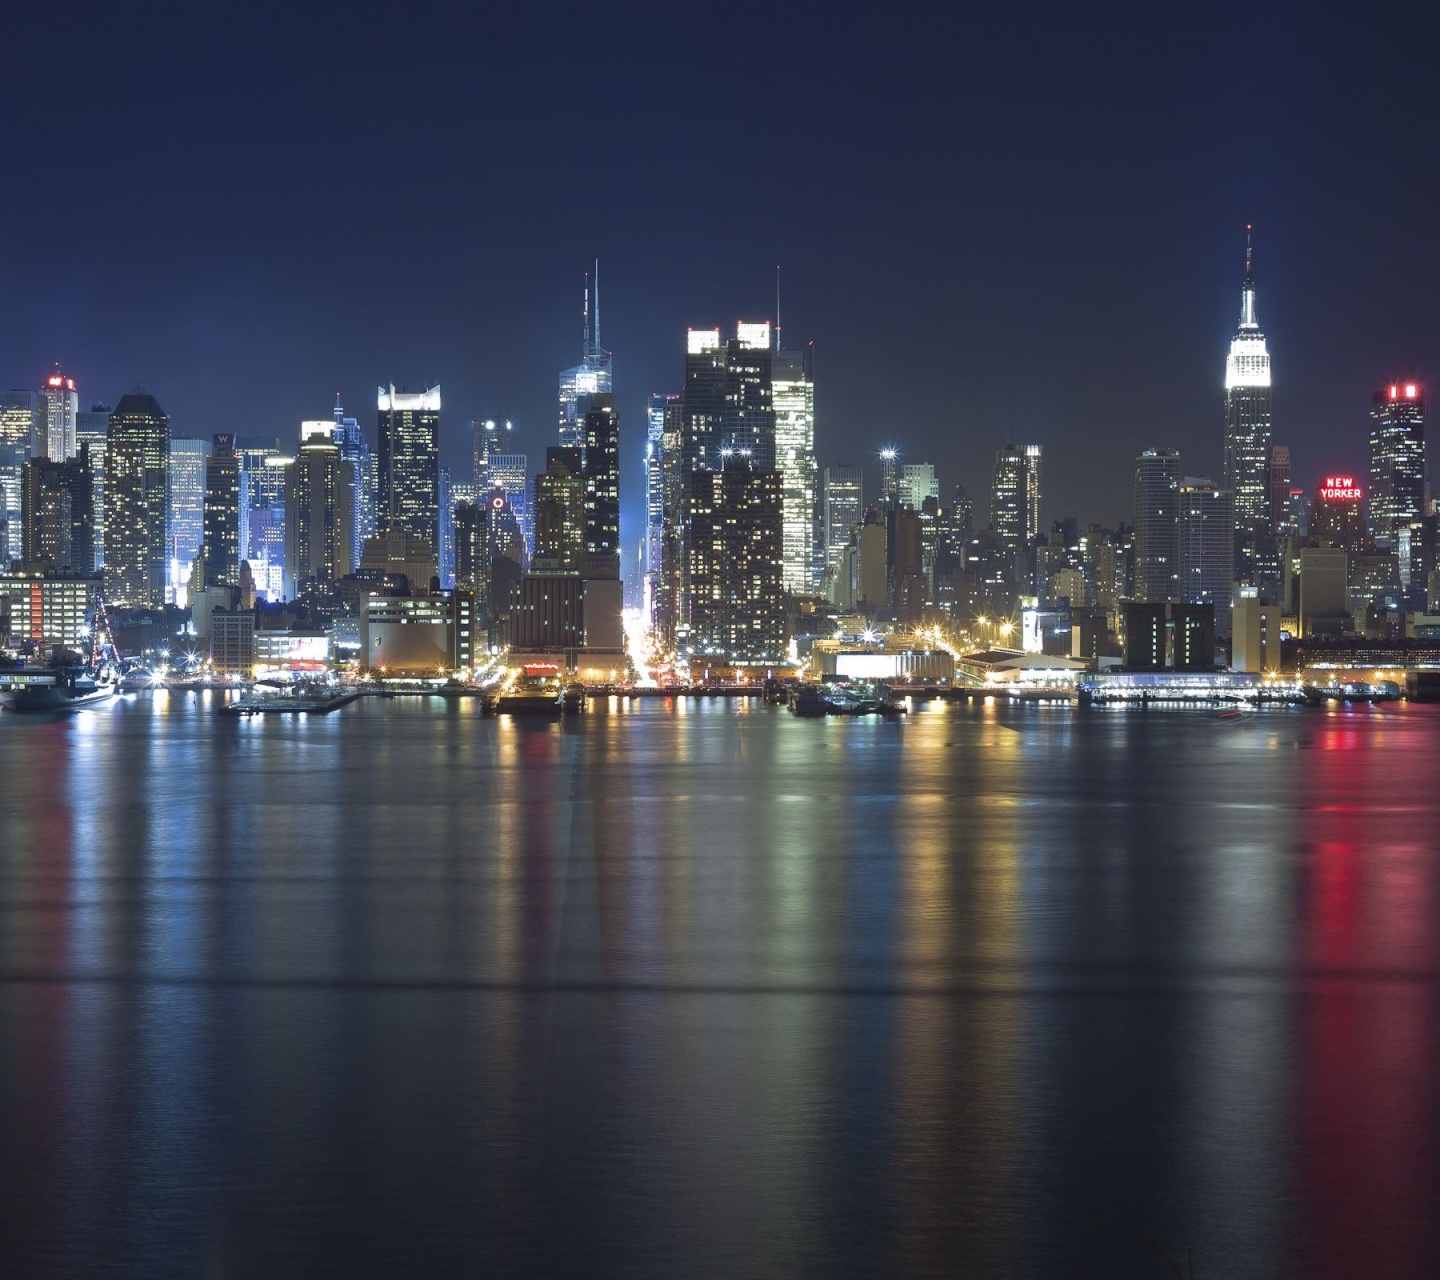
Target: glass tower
[[137, 463], [1157, 548], [590, 378], [794, 406], [1397, 459], [409, 463], [1248, 433]]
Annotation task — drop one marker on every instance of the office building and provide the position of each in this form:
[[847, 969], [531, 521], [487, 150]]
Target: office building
[[591, 377], [58, 406], [137, 462], [47, 607], [1033, 474], [1280, 478], [737, 604], [1157, 530], [1324, 591], [1338, 513], [1256, 635], [186, 527], [1397, 460], [408, 459], [17, 446], [916, 482], [1010, 507], [793, 397], [602, 489], [654, 541], [1248, 435], [844, 488], [262, 511], [58, 514], [222, 513], [560, 513], [400, 560], [1206, 559], [92, 429], [319, 507], [355, 449], [432, 634]]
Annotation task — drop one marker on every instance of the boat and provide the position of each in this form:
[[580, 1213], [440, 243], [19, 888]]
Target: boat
[[535, 689], [807, 700], [841, 701], [67, 688], [303, 698]]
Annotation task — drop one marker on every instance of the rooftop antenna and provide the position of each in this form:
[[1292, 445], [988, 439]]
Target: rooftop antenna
[[598, 347], [777, 306], [339, 410], [585, 350]]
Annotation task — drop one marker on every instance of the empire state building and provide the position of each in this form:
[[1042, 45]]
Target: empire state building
[[1247, 434]]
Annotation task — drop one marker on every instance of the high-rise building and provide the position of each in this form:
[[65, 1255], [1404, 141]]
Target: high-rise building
[[222, 513], [409, 463], [1279, 479], [355, 449], [737, 608], [591, 377], [17, 445], [654, 498], [1207, 547], [889, 476], [1157, 533], [602, 489], [1032, 492], [793, 375], [1010, 505], [319, 506], [917, 482], [498, 466], [1338, 515], [1248, 436], [262, 511], [748, 423], [560, 513], [58, 514], [137, 462], [844, 509], [1397, 460], [58, 405], [92, 428], [186, 521]]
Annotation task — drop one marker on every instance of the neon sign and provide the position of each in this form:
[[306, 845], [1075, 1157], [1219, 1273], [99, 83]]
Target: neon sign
[[1341, 489]]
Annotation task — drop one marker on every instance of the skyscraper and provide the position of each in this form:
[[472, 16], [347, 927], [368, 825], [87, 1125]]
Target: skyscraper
[[560, 513], [844, 509], [355, 449], [92, 427], [319, 506], [748, 422], [654, 496], [222, 513], [602, 489], [1032, 492], [58, 514], [1279, 480], [1010, 504], [1247, 436], [58, 406], [186, 521], [591, 377], [1207, 545], [137, 462], [917, 482], [793, 375], [889, 476], [262, 511], [17, 444], [1397, 459], [737, 608], [1157, 531], [409, 463]]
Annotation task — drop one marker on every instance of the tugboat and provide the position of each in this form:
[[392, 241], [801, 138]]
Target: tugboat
[[807, 700]]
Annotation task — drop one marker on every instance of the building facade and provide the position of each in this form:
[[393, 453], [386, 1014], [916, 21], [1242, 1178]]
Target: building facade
[[137, 464], [408, 463]]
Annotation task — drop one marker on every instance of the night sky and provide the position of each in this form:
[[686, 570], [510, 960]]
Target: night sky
[[1018, 227]]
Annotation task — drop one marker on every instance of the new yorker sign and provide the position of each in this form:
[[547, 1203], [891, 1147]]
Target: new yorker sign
[[1341, 489]]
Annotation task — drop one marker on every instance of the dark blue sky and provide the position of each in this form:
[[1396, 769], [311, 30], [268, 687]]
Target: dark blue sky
[[1025, 226]]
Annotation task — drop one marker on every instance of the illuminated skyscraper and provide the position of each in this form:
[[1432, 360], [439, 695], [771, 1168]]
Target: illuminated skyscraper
[[497, 466], [1279, 476], [844, 509], [186, 526], [1032, 493], [1397, 460], [58, 514], [319, 505], [262, 511], [137, 461], [1157, 531], [355, 449], [602, 489], [222, 513], [1338, 516], [92, 428], [409, 463], [793, 374], [591, 377], [560, 513], [1248, 436], [654, 497], [1010, 503], [917, 482], [17, 444], [889, 476], [59, 406], [1207, 547]]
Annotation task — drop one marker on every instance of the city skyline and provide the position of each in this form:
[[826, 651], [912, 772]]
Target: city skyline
[[948, 334]]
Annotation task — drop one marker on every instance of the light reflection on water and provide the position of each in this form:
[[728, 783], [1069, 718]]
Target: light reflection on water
[[706, 989]]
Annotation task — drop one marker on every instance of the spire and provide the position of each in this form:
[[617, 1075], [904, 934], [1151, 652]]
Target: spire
[[597, 305], [1247, 292], [339, 410], [777, 306]]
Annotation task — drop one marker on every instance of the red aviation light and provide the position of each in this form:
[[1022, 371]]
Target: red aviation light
[[1411, 390], [1394, 392]]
